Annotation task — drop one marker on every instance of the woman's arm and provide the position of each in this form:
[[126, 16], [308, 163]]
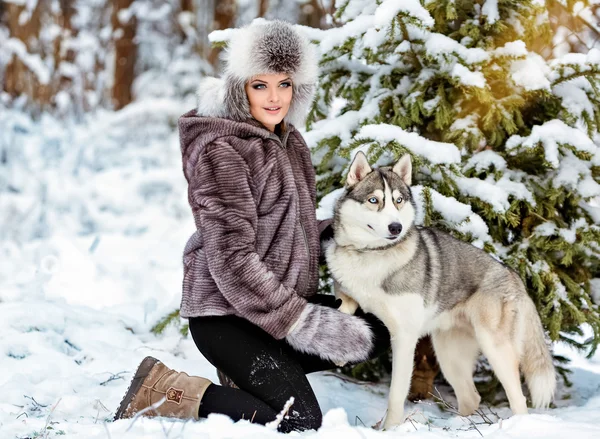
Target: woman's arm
[[228, 217]]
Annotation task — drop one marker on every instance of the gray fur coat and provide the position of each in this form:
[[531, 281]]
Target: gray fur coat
[[256, 249]]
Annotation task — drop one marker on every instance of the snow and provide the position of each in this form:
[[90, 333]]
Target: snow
[[390, 8], [68, 365], [355, 8], [484, 160], [588, 187], [568, 234], [327, 203], [595, 287], [467, 124], [457, 213], [333, 127], [531, 73], [96, 218], [468, 77], [582, 60], [78, 299], [575, 174], [490, 10], [438, 46], [434, 152], [485, 191], [374, 38], [550, 135], [574, 95], [33, 61], [336, 36], [515, 188], [592, 211], [515, 48]]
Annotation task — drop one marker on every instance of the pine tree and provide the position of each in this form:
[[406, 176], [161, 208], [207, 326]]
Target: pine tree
[[501, 134]]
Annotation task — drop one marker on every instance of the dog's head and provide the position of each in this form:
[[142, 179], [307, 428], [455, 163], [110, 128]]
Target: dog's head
[[377, 209]]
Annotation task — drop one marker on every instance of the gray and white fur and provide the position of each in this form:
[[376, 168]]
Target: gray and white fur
[[422, 281], [263, 47], [325, 332]]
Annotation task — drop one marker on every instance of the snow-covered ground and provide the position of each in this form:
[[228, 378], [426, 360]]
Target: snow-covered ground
[[94, 221]]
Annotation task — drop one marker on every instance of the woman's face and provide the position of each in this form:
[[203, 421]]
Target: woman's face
[[269, 97]]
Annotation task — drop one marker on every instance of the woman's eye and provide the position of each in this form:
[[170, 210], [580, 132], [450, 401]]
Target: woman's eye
[[259, 86], [372, 200], [286, 84], [399, 200]]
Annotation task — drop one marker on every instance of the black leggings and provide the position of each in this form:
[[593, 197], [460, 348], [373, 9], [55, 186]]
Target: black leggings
[[267, 371]]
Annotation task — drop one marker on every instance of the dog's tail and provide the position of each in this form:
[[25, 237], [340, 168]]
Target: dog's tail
[[536, 360]]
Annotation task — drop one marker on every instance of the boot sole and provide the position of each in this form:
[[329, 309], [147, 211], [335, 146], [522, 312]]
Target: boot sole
[[136, 382]]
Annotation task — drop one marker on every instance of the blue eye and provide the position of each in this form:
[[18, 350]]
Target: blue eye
[[286, 84], [373, 200], [259, 86], [399, 200]]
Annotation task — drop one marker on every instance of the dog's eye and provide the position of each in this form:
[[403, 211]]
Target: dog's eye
[[399, 200], [372, 200]]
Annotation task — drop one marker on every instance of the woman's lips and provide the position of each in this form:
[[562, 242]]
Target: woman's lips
[[272, 110]]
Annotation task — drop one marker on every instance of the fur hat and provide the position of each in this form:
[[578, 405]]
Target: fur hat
[[262, 47]]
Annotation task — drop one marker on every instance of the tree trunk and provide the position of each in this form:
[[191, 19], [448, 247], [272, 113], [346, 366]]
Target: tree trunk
[[64, 21], [263, 7], [187, 27], [125, 54], [67, 11], [224, 18], [312, 14], [425, 370], [187, 5], [18, 79]]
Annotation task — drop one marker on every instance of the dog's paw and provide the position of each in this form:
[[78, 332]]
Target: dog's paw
[[348, 306], [467, 407], [391, 424]]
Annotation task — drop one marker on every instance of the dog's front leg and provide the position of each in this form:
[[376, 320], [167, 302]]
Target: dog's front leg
[[349, 305], [403, 351]]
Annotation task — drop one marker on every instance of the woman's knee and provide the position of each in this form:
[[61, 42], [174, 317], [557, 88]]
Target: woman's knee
[[307, 420]]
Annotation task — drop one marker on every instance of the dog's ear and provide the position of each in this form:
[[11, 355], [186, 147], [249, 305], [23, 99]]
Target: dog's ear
[[404, 169], [358, 169]]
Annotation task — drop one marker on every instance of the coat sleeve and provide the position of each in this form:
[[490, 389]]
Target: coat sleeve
[[227, 211]]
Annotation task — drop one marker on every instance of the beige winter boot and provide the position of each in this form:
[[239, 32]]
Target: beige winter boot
[[154, 382]]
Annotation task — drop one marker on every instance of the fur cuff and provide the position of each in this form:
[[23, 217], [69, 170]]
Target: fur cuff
[[331, 335]]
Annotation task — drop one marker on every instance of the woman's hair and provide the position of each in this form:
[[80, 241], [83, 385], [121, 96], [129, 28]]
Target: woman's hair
[[281, 127]]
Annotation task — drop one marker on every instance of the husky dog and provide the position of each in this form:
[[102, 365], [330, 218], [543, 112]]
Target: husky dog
[[422, 281]]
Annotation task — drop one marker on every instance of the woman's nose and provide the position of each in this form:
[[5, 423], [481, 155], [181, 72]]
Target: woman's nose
[[273, 95]]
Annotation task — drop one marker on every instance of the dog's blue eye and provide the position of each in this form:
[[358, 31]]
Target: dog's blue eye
[[372, 200], [399, 200]]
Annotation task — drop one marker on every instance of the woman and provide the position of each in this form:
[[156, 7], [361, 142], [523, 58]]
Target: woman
[[251, 268]]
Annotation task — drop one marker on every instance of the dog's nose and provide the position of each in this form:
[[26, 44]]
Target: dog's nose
[[395, 228]]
